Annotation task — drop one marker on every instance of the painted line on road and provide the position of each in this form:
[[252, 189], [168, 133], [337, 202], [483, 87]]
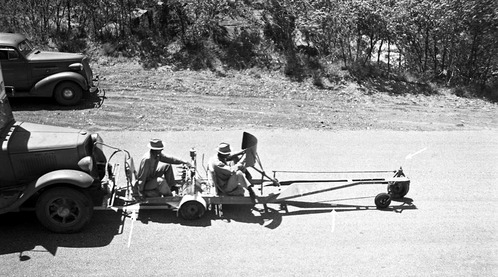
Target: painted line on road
[[131, 232], [333, 212], [134, 215]]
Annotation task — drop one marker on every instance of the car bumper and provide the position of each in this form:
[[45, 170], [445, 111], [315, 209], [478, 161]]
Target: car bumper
[[95, 90], [94, 86]]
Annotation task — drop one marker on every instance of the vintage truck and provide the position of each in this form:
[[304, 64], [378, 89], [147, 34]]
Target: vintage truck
[[30, 72], [58, 172]]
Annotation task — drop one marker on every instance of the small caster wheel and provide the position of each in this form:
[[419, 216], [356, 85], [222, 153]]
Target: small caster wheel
[[382, 200]]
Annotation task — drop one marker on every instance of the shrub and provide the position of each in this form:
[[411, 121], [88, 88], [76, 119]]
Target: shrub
[[72, 45], [241, 51]]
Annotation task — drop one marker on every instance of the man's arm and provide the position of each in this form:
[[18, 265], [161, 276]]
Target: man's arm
[[235, 156], [225, 171], [241, 163], [172, 160]]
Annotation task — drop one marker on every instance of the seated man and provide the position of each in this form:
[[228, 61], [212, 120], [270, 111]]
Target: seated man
[[228, 172], [155, 176]]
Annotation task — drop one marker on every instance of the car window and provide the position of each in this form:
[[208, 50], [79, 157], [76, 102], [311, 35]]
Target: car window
[[13, 55], [8, 54], [4, 54]]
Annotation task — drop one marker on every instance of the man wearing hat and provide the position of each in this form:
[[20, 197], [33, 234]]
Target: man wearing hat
[[155, 175], [227, 172]]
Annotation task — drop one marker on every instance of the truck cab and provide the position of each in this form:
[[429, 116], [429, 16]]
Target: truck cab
[[58, 172]]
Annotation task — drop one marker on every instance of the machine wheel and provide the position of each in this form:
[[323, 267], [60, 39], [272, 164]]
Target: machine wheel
[[68, 93], [398, 189], [64, 210], [192, 209], [382, 200]]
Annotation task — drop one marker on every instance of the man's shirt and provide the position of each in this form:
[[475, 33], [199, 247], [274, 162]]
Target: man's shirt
[[148, 166], [223, 170]]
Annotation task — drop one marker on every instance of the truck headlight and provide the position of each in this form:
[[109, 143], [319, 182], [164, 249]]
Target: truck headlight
[[86, 164], [96, 138]]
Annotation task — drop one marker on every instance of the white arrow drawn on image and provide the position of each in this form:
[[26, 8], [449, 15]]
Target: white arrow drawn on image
[[410, 156]]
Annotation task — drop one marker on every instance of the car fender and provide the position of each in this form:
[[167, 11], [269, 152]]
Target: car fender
[[46, 86], [64, 176]]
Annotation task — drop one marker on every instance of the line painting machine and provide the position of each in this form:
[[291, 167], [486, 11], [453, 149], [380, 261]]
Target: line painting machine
[[197, 193]]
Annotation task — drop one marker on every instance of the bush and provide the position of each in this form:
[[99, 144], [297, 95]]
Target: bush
[[72, 45], [488, 91], [362, 71], [241, 51], [492, 90], [294, 67]]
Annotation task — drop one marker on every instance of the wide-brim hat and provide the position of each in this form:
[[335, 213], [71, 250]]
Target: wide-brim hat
[[156, 144], [224, 149]]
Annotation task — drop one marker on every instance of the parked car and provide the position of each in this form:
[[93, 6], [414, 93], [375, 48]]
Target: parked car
[[57, 171], [34, 73]]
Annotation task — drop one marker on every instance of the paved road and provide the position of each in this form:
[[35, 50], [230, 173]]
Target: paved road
[[445, 227]]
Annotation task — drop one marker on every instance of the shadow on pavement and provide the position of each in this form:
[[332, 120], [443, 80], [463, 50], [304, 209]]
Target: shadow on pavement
[[169, 216], [22, 233], [239, 213], [397, 205], [271, 217]]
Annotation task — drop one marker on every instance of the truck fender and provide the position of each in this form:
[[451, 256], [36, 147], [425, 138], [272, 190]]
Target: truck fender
[[46, 86], [64, 176]]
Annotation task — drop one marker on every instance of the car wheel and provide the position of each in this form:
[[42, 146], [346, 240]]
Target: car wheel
[[64, 210], [68, 93], [382, 200]]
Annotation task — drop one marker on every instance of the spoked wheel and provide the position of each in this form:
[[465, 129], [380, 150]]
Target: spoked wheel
[[382, 200], [192, 210], [64, 210]]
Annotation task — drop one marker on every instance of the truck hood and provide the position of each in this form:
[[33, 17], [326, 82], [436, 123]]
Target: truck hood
[[29, 137], [54, 56]]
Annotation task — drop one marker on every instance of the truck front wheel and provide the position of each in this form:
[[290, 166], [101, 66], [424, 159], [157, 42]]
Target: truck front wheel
[[64, 210]]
